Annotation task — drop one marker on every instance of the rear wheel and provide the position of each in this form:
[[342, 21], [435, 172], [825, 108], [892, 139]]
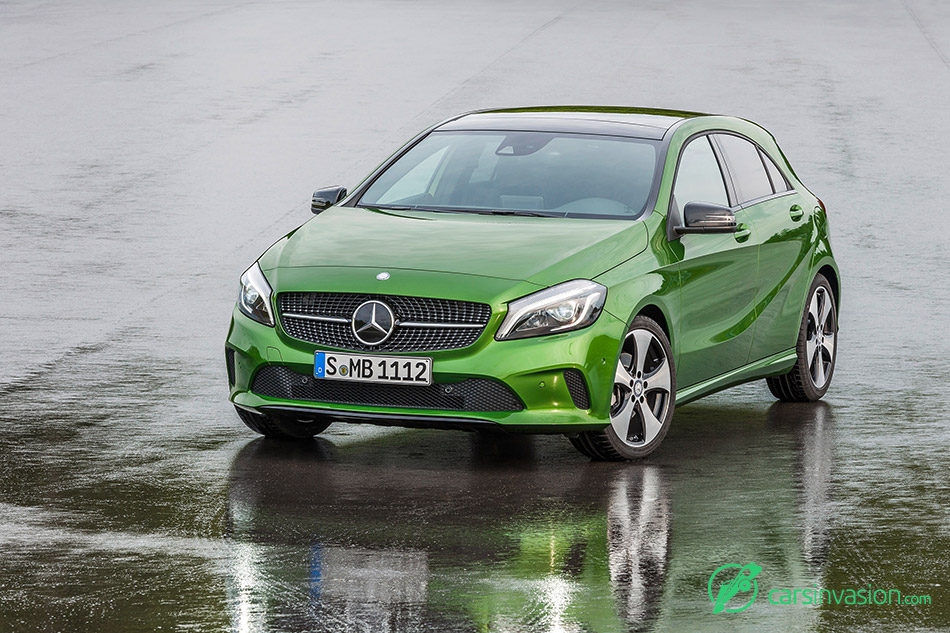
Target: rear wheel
[[817, 349], [641, 405], [280, 428]]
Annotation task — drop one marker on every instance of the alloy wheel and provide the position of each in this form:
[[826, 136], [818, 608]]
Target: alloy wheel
[[820, 337], [642, 389]]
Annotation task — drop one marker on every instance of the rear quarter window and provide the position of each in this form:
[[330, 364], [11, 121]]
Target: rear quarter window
[[779, 183]]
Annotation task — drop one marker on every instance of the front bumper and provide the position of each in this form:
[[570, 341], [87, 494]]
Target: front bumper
[[537, 372]]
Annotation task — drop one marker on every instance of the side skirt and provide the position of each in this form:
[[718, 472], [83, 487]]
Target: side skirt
[[770, 366]]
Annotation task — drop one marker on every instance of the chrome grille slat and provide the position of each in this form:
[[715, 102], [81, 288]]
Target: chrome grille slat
[[446, 326], [423, 324], [312, 317]]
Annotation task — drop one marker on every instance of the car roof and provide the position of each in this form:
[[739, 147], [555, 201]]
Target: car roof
[[614, 121]]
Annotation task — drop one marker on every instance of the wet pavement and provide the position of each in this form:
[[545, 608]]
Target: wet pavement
[[148, 153]]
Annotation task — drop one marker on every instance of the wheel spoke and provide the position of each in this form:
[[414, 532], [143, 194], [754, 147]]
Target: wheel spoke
[[651, 426], [623, 377], [814, 310], [824, 311], [659, 380], [621, 421], [829, 344], [642, 338], [811, 348], [818, 369]]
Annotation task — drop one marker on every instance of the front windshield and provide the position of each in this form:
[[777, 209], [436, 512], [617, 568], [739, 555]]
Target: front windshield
[[530, 173]]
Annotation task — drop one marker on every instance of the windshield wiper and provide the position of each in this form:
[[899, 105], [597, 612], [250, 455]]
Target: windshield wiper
[[484, 211], [405, 207], [534, 214], [422, 207], [388, 207]]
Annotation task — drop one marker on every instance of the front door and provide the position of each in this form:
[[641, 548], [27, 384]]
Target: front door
[[717, 276]]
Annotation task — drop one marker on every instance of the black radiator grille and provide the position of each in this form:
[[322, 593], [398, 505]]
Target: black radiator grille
[[473, 394], [438, 324]]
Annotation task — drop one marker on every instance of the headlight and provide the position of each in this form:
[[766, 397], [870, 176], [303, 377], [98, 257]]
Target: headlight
[[254, 300], [561, 308]]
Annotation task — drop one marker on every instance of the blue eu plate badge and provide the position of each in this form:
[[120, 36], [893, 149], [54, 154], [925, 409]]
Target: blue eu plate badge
[[319, 364]]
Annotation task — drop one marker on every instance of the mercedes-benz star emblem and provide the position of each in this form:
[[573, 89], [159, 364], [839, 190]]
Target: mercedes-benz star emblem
[[383, 276], [373, 323]]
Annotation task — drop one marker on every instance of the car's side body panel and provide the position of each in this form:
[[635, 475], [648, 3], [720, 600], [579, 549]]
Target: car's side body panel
[[763, 368], [716, 311], [785, 272], [777, 259], [715, 318]]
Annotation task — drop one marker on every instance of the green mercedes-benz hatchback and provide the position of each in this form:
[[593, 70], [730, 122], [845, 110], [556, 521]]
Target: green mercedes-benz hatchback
[[575, 270]]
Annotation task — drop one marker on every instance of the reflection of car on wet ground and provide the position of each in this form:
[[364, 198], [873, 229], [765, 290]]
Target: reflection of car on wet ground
[[566, 270], [410, 533], [368, 546]]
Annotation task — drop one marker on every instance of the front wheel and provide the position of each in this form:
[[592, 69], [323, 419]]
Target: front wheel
[[641, 405], [280, 428], [817, 349]]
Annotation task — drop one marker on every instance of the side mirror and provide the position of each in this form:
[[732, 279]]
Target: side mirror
[[327, 197], [706, 217]]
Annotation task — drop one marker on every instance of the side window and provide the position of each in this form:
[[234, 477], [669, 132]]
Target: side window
[[745, 165], [698, 177], [779, 184]]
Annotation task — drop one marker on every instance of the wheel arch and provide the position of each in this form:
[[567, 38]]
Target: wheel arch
[[831, 274], [655, 311]]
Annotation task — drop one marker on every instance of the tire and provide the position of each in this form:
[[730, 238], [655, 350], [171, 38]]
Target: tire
[[280, 429], [643, 397], [579, 441], [817, 349]]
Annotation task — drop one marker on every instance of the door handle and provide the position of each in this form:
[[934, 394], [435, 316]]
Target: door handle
[[796, 212], [743, 232]]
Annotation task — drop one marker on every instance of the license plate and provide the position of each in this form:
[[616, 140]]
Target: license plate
[[363, 368]]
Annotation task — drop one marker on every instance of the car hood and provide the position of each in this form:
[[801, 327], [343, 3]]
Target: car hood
[[539, 250]]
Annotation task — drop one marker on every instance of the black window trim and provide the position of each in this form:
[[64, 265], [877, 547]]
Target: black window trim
[[764, 156], [753, 201], [732, 191], [674, 215]]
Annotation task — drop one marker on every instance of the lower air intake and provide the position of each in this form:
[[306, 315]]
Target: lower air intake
[[577, 387], [473, 394]]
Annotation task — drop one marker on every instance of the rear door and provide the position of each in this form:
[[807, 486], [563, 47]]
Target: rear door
[[782, 231], [717, 274]]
